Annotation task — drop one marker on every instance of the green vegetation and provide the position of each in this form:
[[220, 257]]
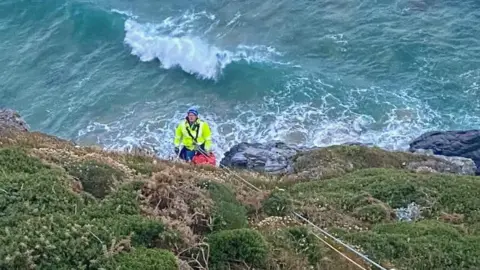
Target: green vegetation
[[47, 225], [237, 246], [49, 222], [340, 159], [228, 213], [145, 258], [96, 178], [425, 244], [436, 193], [367, 198], [303, 242], [277, 204], [141, 164], [67, 207]]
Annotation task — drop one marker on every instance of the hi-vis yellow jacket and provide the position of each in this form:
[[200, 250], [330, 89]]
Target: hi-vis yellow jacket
[[198, 133]]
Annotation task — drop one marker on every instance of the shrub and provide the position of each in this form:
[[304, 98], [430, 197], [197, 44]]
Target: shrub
[[57, 241], [124, 201], [145, 259], [277, 204], [374, 213], [420, 245], [239, 245], [145, 232], [15, 160], [96, 178], [76, 241], [228, 212], [305, 243], [291, 250], [38, 194]]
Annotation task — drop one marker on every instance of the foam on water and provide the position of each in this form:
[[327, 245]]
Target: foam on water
[[299, 123], [305, 109], [175, 44]]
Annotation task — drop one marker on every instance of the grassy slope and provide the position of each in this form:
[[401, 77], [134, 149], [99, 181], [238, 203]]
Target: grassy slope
[[67, 207]]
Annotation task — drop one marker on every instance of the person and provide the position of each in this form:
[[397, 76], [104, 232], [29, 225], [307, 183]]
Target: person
[[194, 134]]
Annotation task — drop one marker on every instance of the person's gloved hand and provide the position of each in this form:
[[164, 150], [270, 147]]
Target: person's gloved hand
[[177, 150]]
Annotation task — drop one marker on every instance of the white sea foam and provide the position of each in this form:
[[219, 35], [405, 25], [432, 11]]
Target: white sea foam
[[300, 123], [175, 43]]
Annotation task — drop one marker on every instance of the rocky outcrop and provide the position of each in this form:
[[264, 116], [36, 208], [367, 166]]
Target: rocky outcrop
[[10, 119], [443, 164], [328, 162], [452, 144], [273, 157]]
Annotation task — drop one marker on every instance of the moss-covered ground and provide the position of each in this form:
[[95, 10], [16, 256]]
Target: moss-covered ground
[[69, 207]]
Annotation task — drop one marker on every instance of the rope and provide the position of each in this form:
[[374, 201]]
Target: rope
[[339, 252], [338, 241], [365, 258], [230, 171]]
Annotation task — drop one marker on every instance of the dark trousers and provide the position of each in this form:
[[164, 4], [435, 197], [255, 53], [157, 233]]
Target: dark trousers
[[188, 155]]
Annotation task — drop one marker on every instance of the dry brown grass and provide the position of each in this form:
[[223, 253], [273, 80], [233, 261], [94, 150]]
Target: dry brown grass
[[174, 197], [452, 218]]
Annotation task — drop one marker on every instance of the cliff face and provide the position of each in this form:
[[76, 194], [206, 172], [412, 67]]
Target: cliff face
[[67, 206]]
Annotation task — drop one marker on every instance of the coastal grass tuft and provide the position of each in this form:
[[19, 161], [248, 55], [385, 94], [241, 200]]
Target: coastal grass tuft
[[338, 160], [237, 247], [228, 212]]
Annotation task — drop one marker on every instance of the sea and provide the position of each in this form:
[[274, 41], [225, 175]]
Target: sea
[[123, 73]]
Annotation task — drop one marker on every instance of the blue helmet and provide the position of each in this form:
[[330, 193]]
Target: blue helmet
[[193, 110]]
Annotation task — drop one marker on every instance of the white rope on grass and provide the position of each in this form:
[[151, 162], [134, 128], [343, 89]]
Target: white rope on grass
[[230, 171], [339, 241], [338, 251]]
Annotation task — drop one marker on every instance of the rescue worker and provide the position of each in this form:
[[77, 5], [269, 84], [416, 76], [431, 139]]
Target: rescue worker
[[194, 134]]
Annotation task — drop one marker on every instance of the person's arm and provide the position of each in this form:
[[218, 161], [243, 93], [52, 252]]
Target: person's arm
[[207, 135], [178, 135]]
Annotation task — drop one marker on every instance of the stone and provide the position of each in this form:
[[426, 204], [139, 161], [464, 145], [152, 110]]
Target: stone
[[273, 157], [11, 120], [443, 164], [464, 144]]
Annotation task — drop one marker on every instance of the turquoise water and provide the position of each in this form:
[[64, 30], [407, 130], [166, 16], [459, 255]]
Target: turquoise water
[[123, 73]]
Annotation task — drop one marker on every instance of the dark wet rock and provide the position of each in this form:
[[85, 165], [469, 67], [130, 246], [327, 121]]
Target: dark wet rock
[[11, 120], [451, 144], [273, 157]]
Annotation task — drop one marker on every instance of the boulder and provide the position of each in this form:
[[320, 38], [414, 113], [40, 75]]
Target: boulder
[[275, 157], [443, 164], [451, 144], [11, 120]]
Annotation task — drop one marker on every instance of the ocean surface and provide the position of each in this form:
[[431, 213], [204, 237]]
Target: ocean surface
[[121, 73]]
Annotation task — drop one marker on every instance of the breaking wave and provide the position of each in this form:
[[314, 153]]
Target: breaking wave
[[174, 46]]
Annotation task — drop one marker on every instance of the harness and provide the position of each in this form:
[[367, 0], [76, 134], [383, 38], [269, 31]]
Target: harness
[[196, 128]]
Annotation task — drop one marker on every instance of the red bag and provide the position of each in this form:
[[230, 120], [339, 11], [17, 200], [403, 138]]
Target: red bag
[[203, 159]]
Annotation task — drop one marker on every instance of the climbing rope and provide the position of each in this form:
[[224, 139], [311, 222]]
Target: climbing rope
[[364, 257]]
